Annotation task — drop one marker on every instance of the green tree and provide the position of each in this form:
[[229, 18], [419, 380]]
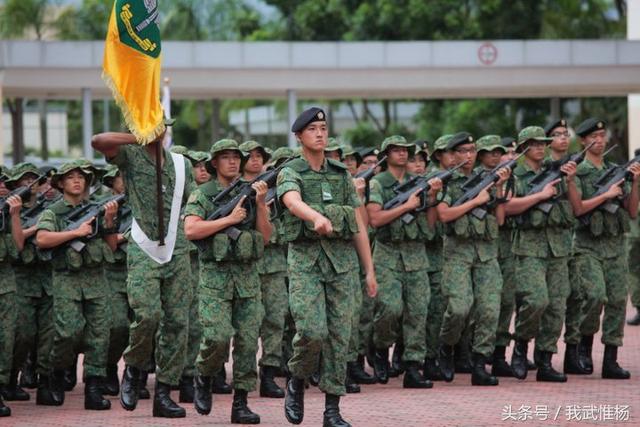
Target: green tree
[[88, 21]]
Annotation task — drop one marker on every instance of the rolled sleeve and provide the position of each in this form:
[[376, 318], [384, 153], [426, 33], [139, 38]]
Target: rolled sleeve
[[47, 221], [288, 180]]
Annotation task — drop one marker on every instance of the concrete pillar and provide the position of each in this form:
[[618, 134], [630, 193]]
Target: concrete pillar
[[292, 100], [87, 124], [555, 108], [2, 141], [633, 101]]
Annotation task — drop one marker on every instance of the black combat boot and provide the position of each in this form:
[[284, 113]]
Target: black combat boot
[[202, 397], [268, 386], [56, 382], [500, 366], [111, 386], [635, 320], [431, 370], [396, 368], [5, 411], [445, 360], [610, 367], [93, 399], [332, 417], [350, 385], [163, 405], [413, 378], [479, 376], [13, 391], [381, 365], [519, 359], [186, 389], [129, 388], [546, 371], [584, 353], [356, 371], [28, 376], [143, 391], [71, 376], [219, 383], [44, 395], [294, 401], [572, 363], [240, 412], [462, 360]]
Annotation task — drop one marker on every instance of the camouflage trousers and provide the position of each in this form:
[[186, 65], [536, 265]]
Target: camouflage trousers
[[634, 269], [273, 311], [81, 323], [507, 300], [467, 285], [574, 313], [435, 313], [195, 327], [159, 295], [365, 323], [401, 306], [354, 339], [605, 285], [7, 333], [116, 279], [224, 315], [541, 296], [320, 301]]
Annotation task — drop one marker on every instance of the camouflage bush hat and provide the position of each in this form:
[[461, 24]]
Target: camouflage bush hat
[[219, 146], [348, 150], [535, 133], [397, 141], [111, 171], [20, 170], [589, 126], [196, 157], [441, 144], [179, 149], [490, 143], [280, 155], [4, 173], [459, 138], [249, 146], [334, 145], [80, 164]]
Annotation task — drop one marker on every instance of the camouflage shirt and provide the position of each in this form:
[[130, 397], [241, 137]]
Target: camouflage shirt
[[407, 255], [139, 173], [274, 259], [331, 184], [8, 253]]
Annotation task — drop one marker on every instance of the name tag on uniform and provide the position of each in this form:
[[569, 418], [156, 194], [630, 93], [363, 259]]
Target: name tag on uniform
[[326, 192]]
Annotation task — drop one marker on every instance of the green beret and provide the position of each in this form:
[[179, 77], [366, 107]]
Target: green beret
[[219, 146], [368, 151], [490, 143], [249, 146], [554, 124], [459, 138], [397, 141], [20, 170], [508, 142], [79, 164], [535, 133], [308, 116], [589, 126]]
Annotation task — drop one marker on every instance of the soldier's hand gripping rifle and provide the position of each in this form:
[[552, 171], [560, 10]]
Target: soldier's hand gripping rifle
[[415, 183], [367, 175], [551, 173], [31, 215], [486, 180], [23, 192]]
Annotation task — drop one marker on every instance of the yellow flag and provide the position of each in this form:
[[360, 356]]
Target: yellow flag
[[131, 66]]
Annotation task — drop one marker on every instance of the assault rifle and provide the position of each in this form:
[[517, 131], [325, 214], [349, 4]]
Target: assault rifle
[[482, 182], [552, 172], [23, 192], [367, 175], [415, 183]]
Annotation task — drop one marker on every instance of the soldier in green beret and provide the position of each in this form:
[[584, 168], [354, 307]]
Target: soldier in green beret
[[542, 241], [401, 265], [471, 275], [322, 225], [11, 242], [229, 288], [79, 295], [600, 254]]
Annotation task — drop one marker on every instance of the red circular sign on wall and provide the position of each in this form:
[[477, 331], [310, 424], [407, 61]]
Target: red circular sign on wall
[[487, 53]]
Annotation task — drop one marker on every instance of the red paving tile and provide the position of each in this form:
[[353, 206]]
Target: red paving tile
[[454, 404]]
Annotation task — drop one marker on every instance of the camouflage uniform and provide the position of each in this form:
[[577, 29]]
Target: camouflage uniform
[[322, 272], [159, 294], [401, 267], [229, 294], [8, 252]]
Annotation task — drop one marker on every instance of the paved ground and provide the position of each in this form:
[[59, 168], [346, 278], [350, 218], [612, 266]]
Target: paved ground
[[582, 401]]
